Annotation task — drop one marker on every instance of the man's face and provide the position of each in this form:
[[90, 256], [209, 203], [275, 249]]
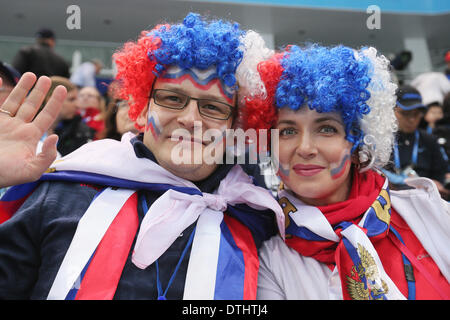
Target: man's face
[[408, 121], [171, 133]]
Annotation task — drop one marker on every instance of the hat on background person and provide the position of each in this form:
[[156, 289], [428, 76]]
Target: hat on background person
[[11, 74], [45, 33], [409, 98]]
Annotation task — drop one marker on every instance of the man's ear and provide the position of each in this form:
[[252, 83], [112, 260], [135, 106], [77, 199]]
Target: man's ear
[[141, 119]]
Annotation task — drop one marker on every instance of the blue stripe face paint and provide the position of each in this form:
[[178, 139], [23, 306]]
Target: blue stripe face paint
[[338, 171], [154, 125]]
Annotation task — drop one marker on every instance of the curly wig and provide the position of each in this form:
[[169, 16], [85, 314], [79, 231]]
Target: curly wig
[[356, 84], [194, 43]]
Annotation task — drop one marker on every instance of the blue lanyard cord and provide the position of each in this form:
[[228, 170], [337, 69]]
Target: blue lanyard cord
[[409, 271], [415, 151], [161, 295]]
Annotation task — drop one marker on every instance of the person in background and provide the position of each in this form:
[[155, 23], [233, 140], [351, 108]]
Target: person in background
[[71, 130], [442, 134], [40, 58], [10, 77], [433, 114], [91, 107], [348, 234], [84, 75], [433, 86], [415, 153], [117, 121]]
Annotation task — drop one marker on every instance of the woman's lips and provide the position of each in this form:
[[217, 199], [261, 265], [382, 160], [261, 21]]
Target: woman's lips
[[307, 170]]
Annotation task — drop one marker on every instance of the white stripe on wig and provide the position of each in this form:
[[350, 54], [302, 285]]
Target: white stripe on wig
[[380, 124]]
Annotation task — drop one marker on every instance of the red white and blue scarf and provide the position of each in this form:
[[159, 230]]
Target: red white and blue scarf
[[341, 234], [94, 261]]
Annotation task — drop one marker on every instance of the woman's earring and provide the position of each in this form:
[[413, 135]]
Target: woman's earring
[[365, 160]]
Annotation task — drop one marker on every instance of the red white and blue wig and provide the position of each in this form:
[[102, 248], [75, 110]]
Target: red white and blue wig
[[356, 84], [196, 43]]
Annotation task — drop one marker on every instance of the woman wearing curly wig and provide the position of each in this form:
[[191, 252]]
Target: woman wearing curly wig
[[348, 236], [125, 220]]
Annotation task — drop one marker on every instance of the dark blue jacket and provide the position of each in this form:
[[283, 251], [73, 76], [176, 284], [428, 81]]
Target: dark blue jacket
[[34, 241]]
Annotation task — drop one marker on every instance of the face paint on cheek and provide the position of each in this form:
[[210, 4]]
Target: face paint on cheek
[[337, 170], [202, 79], [153, 125]]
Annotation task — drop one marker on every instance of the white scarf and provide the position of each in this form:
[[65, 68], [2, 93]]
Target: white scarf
[[166, 218]]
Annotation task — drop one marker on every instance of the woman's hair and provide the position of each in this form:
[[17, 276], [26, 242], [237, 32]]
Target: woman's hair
[[56, 81], [59, 81], [110, 129], [356, 84], [194, 43]]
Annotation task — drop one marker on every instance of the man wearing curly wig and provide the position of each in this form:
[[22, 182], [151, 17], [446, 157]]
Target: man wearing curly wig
[[128, 219]]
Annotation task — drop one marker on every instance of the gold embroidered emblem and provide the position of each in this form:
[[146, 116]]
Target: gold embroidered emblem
[[382, 211], [364, 282], [287, 207]]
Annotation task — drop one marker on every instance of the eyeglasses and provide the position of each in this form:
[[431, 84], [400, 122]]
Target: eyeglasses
[[206, 107]]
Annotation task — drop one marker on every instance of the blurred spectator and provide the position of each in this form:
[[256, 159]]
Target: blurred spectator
[[401, 60], [40, 58], [433, 86], [10, 77], [91, 107], [415, 153], [434, 113], [71, 130], [84, 75], [442, 127], [447, 61], [117, 121], [111, 92]]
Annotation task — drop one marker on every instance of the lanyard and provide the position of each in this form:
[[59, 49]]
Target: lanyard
[[161, 293], [407, 266], [408, 256], [415, 152]]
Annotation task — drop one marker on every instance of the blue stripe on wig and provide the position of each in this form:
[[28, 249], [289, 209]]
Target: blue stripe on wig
[[197, 43], [327, 80]]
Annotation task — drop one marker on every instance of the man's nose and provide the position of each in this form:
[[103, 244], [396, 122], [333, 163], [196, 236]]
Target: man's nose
[[189, 115]]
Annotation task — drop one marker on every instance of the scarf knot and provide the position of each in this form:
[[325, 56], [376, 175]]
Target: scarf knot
[[215, 202]]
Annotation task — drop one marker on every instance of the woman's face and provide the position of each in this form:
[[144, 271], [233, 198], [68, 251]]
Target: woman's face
[[123, 121], [69, 106], [434, 113], [315, 157], [88, 97]]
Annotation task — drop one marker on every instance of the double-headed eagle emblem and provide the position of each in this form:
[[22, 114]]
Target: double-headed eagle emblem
[[364, 282]]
